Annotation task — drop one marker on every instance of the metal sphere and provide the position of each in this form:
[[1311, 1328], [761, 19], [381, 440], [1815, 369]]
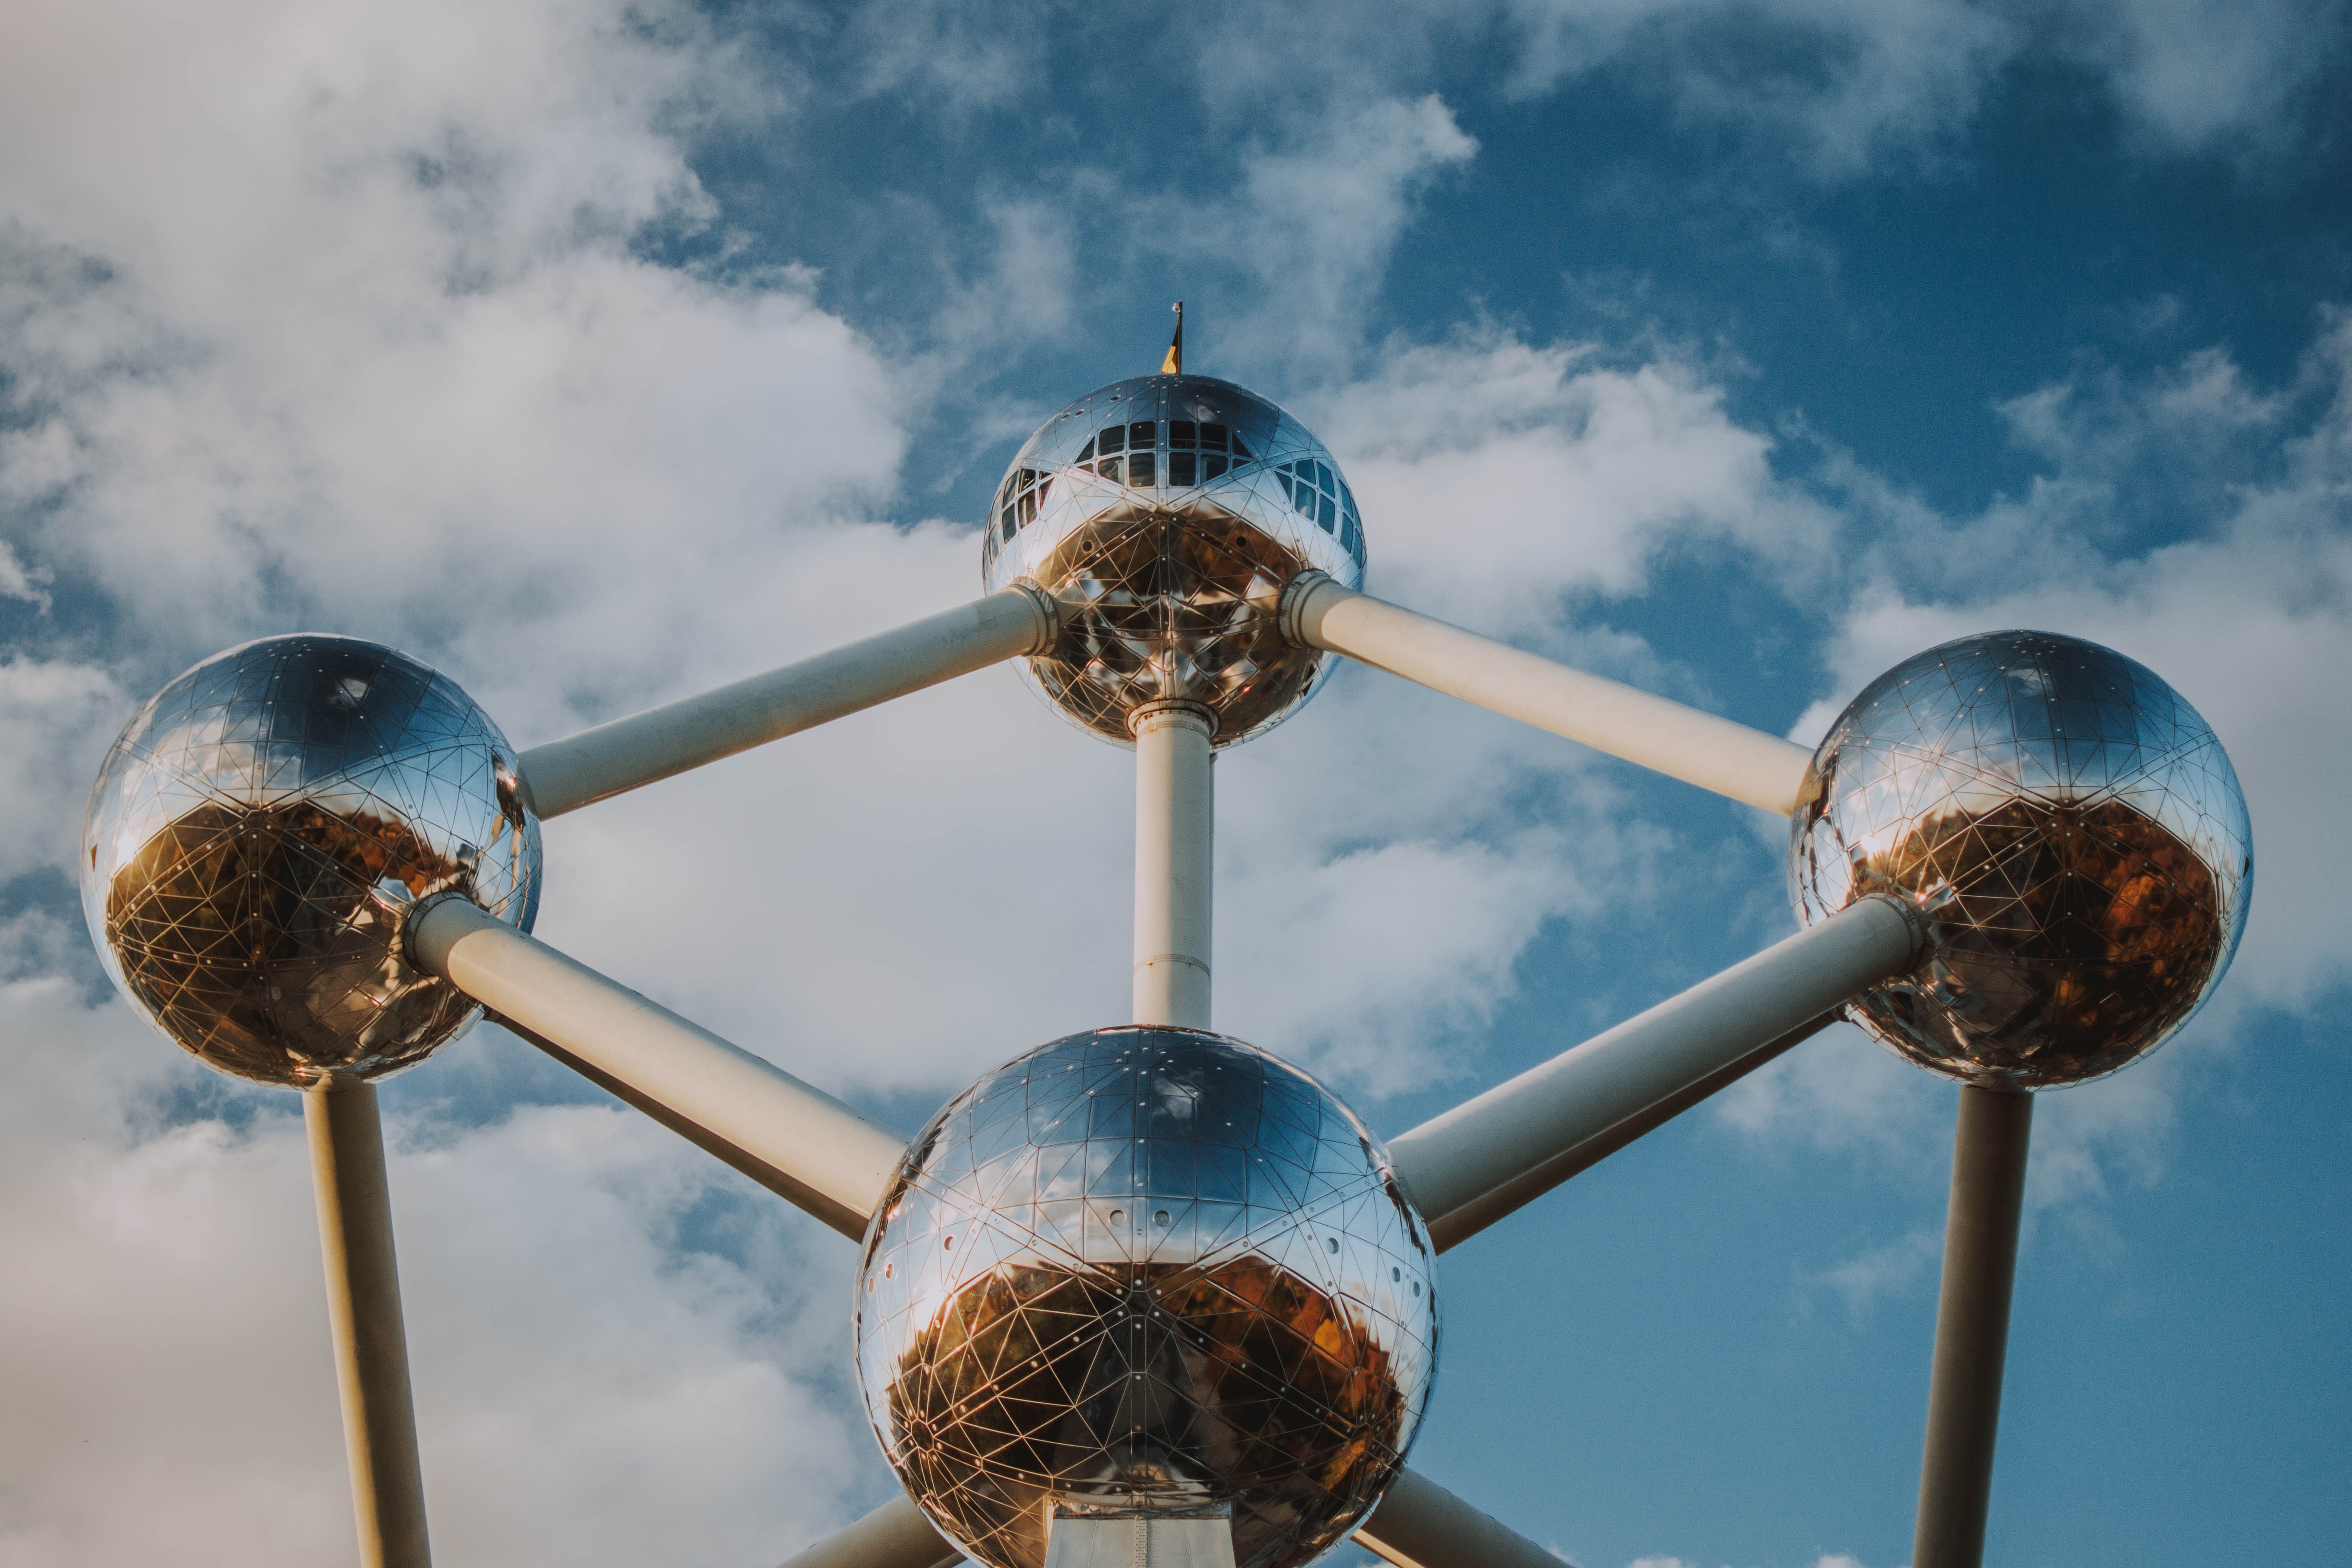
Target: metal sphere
[[1146, 1269], [259, 835], [1165, 513], [2073, 831]]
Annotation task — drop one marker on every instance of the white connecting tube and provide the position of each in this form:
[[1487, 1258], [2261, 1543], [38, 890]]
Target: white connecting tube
[[826, 1156], [1175, 828], [895, 1535], [644, 747], [1681, 742], [1487, 1157], [1420, 1524]]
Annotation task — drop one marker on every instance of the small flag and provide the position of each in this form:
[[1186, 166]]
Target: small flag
[[1174, 363]]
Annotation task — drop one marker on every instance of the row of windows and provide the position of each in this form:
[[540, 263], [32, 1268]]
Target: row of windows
[[1319, 494], [1315, 492], [1184, 435]]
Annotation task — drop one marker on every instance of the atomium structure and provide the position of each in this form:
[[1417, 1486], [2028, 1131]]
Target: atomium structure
[[1148, 1296]]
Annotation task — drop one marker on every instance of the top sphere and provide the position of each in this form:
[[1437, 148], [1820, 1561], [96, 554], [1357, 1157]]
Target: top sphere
[[259, 835], [2070, 828], [1165, 514], [1146, 1270]]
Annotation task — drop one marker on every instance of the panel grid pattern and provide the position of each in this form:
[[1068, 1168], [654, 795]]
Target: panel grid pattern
[[1151, 1266], [258, 834], [2071, 828]]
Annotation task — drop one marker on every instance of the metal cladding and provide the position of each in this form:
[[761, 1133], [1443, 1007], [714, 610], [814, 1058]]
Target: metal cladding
[[259, 835], [2070, 828], [1165, 514], [1146, 1269]]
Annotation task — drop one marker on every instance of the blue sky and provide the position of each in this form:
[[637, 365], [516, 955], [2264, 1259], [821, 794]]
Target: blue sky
[[597, 352]]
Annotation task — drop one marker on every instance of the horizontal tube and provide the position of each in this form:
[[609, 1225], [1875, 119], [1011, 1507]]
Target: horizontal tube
[[1489, 1156], [826, 1157], [645, 748], [895, 1535], [1420, 1524], [1681, 742]]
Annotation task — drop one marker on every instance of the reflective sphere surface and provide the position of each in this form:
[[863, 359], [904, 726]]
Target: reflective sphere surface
[[1166, 513], [2071, 828], [1146, 1267], [257, 835]]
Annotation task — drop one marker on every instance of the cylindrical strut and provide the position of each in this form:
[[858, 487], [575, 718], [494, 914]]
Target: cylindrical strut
[[1972, 1326], [1175, 817], [364, 1312]]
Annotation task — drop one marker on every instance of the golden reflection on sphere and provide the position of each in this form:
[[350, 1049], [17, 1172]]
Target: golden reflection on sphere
[[1146, 1269], [260, 831], [1165, 514], [2071, 829]]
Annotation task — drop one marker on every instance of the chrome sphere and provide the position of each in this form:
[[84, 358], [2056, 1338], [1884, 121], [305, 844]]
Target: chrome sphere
[[1146, 1269], [2073, 831], [258, 834], [1165, 514]]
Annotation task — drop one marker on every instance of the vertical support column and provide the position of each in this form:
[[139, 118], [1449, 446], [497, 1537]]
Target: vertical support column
[[1175, 817], [364, 1308], [1972, 1326]]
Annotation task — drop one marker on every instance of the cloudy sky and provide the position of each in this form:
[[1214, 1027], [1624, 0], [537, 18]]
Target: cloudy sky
[[595, 351]]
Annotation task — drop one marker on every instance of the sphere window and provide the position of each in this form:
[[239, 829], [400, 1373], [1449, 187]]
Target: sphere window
[[1182, 469], [1108, 469], [1139, 469], [1183, 433], [1143, 433], [1113, 438]]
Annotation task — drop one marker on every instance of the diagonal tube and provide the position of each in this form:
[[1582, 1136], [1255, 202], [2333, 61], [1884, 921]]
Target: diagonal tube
[[895, 1535], [1420, 1524], [1988, 1154], [821, 1155], [363, 1315], [1681, 742], [645, 748], [1489, 1156]]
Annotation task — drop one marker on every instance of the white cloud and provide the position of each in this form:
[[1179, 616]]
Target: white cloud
[[592, 1381]]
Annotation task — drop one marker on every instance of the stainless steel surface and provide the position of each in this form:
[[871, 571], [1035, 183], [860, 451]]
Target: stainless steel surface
[[1989, 1153], [365, 1322], [828, 1158], [644, 747], [259, 835], [2070, 827], [1698, 748], [1175, 871], [895, 1535], [1165, 514], [1487, 1157], [1420, 1524], [1150, 1267], [1204, 1539]]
